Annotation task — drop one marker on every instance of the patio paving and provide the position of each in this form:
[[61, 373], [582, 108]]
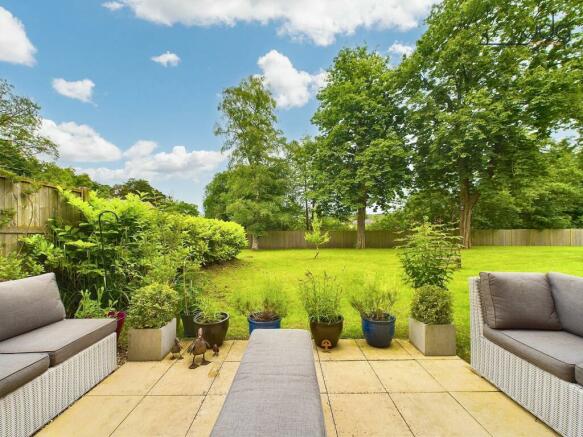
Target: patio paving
[[365, 392]]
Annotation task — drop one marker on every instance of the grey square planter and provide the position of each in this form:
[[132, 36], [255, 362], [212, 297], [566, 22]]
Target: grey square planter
[[432, 340], [151, 344]]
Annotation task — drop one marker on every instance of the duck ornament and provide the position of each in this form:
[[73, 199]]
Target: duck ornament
[[198, 347]]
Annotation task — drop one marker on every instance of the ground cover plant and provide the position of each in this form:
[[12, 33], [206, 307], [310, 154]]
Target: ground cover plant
[[290, 266]]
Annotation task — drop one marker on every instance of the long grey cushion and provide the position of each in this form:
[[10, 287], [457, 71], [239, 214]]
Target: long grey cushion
[[568, 295], [30, 303], [275, 391], [556, 352], [518, 301], [18, 369], [60, 340], [579, 373]]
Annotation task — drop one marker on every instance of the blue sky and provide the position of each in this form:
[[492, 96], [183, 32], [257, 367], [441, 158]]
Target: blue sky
[[90, 68]]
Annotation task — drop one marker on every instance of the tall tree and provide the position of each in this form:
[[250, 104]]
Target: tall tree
[[258, 186], [360, 156], [487, 84], [300, 155]]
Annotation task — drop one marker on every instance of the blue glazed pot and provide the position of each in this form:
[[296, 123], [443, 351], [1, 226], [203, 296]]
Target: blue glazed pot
[[379, 333], [272, 324]]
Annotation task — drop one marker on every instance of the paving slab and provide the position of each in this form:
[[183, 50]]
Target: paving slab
[[92, 416], [501, 416], [207, 416], [346, 350], [132, 379], [350, 377], [407, 376], [224, 379], [328, 419], [321, 383], [180, 380], [394, 352], [416, 353], [436, 415], [237, 350], [456, 375], [367, 415], [167, 416]]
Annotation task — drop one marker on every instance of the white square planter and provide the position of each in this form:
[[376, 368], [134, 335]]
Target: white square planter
[[432, 340], [151, 344]]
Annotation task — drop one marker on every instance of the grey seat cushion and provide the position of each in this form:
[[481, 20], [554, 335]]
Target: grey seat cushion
[[556, 352], [518, 301], [18, 369], [30, 303], [568, 295], [60, 340], [579, 373], [275, 391]]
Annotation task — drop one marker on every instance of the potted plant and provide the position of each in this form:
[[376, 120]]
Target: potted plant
[[430, 327], [265, 309], [90, 308], [430, 255], [214, 323], [320, 297], [189, 304], [374, 303], [152, 323]]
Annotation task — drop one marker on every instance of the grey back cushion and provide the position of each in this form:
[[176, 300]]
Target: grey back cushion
[[30, 303], [568, 294], [518, 301]]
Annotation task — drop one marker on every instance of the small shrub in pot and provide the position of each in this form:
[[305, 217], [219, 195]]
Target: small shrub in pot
[[321, 297], [213, 321], [374, 302], [432, 305], [265, 309]]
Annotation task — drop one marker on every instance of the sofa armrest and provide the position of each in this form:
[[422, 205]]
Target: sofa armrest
[[476, 316]]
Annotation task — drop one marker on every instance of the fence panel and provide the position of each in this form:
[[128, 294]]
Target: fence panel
[[30, 206]]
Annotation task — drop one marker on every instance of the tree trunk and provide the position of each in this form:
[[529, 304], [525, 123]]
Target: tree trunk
[[307, 215], [360, 226], [254, 242], [467, 202]]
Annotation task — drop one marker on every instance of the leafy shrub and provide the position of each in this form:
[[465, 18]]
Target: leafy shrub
[[316, 236], [152, 306], [321, 297], [374, 301], [432, 305], [14, 267], [429, 255], [90, 308], [208, 311], [269, 304]]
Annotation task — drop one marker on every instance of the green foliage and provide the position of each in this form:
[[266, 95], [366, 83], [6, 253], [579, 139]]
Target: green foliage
[[321, 296], [6, 216], [152, 306], [14, 267], [432, 305], [270, 303], [208, 311], [374, 300], [429, 255], [93, 308], [316, 236]]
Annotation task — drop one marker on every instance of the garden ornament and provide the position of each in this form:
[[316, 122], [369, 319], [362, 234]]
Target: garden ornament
[[198, 347], [215, 350], [326, 345], [176, 350]]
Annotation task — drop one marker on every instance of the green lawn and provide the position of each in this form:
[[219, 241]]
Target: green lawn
[[288, 266]]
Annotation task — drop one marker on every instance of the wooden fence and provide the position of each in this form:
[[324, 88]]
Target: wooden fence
[[387, 239], [28, 206]]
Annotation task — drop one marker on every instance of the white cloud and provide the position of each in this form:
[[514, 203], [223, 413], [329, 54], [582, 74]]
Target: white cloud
[[167, 59], [79, 89], [79, 142], [318, 20], [290, 87], [141, 162], [15, 47], [401, 49], [113, 6]]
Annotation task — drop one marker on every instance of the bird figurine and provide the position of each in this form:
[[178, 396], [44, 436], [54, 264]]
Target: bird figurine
[[198, 347], [215, 350], [176, 350]]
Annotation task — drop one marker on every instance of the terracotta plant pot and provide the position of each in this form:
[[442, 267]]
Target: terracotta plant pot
[[213, 333], [327, 332]]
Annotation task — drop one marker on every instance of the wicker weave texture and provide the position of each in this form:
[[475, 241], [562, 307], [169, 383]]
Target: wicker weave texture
[[27, 409], [556, 402]]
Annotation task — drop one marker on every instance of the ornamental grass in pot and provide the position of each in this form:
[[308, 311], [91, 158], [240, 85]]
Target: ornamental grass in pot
[[213, 321], [374, 302], [320, 296], [265, 309], [152, 323]]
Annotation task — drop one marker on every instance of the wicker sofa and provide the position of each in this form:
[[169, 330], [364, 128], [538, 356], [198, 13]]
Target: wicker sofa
[[46, 361], [527, 339]]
